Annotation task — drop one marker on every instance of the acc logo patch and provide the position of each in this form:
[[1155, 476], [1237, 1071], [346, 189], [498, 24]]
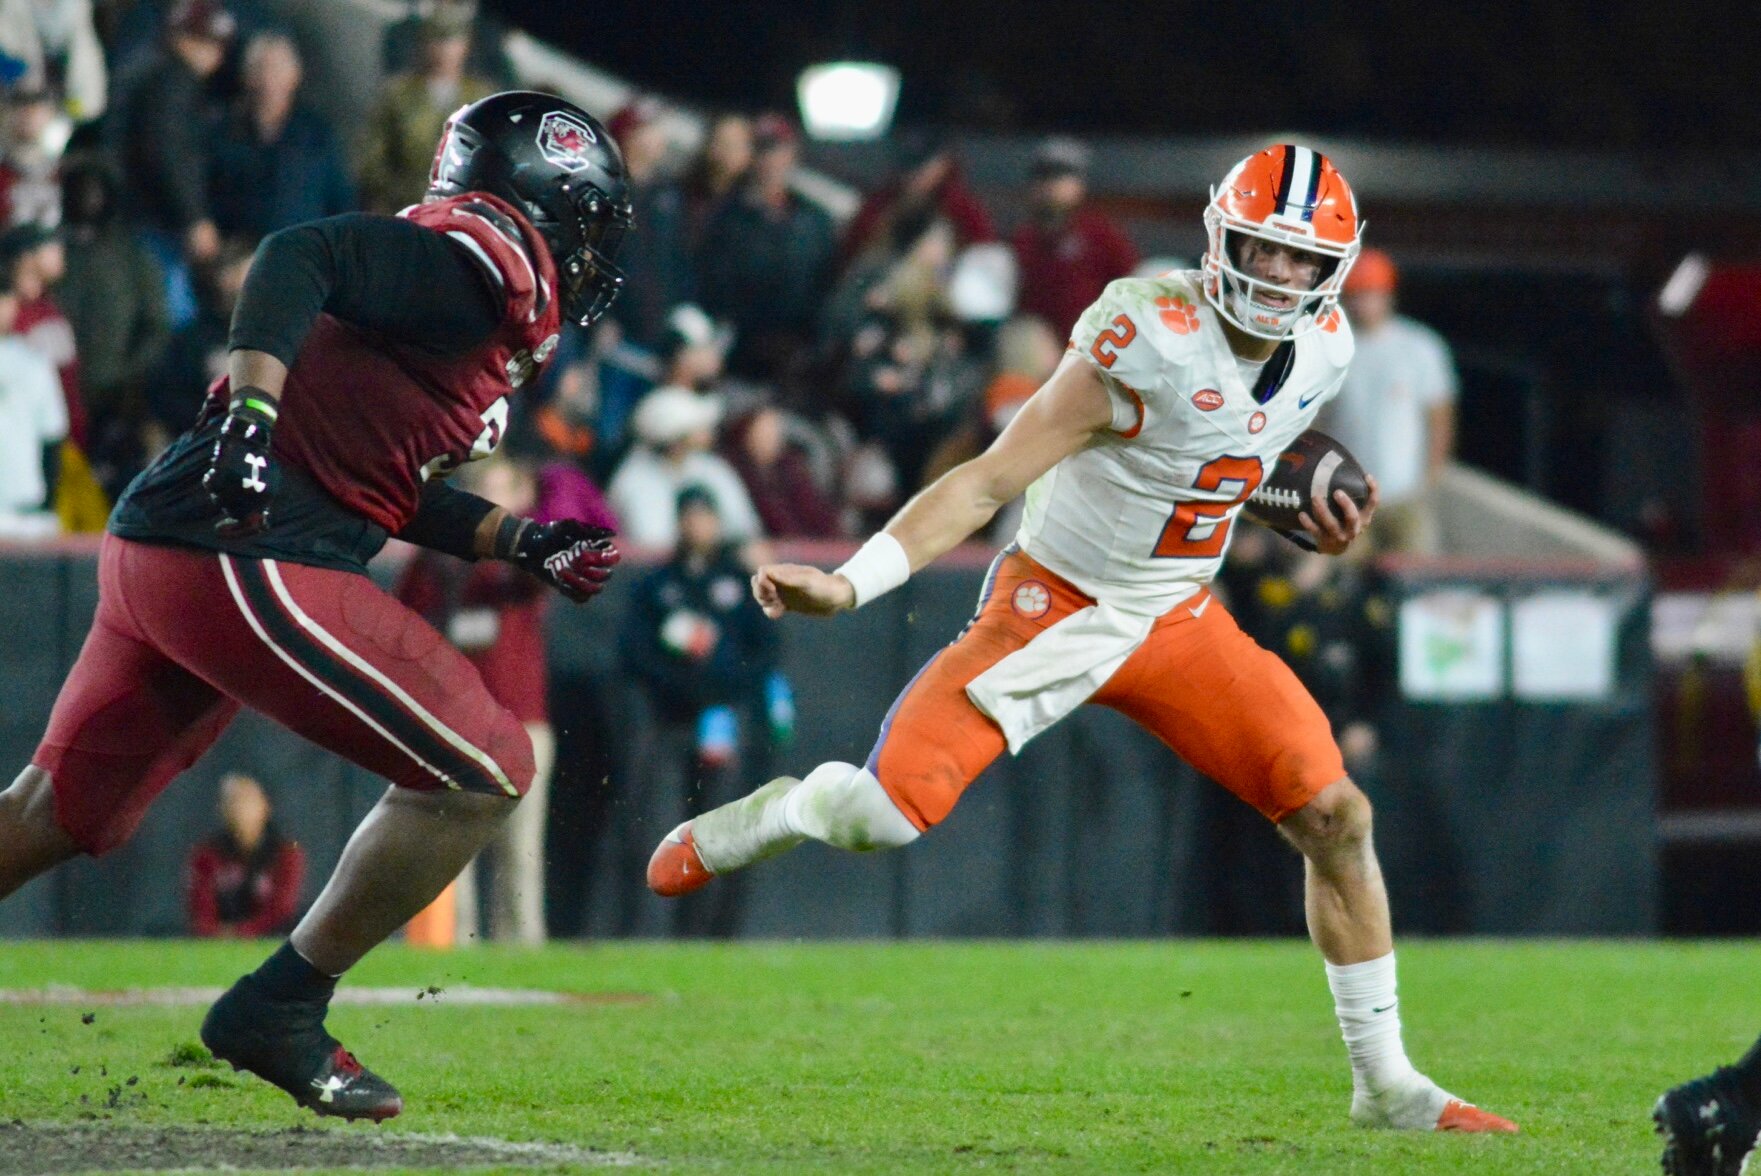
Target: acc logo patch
[[564, 140], [1256, 422], [1207, 400], [1032, 599]]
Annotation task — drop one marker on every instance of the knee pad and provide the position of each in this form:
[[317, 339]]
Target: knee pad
[[844, 805]]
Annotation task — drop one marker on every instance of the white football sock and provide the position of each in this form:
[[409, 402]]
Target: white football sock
[[839, 804], [1386, 1090], [1369, 1018], [845, 806]]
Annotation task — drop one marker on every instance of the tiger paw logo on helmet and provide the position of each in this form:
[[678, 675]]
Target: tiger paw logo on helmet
[[1178, 315]]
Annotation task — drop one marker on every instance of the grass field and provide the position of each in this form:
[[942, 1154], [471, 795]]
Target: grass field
[[1172, 1056]]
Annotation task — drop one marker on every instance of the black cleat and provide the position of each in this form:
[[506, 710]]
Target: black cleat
[[284, 1043], [1709, 1127]]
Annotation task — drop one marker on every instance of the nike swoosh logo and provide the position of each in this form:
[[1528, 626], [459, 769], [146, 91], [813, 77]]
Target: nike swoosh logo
[[1384, 1008], [1304, 403]]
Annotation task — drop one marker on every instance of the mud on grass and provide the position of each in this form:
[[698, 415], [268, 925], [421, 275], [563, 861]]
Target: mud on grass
[[40, 1149]]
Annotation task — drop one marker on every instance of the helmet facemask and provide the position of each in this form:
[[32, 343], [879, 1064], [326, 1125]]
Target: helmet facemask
[[585, 249], [1290, 196], [1232, 290]]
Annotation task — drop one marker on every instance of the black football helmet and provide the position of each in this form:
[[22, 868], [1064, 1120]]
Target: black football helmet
[[555, 163]]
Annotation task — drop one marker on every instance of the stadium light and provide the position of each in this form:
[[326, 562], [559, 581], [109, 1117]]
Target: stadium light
[[1684, 285], [848, 100]]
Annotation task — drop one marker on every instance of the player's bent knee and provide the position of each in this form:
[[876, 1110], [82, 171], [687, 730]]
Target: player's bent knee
[[1339, 814], [510, 746], [844, 805], [31, 836], [500, 764], [455, 804]]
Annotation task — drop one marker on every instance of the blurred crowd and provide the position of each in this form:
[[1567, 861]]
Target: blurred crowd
[[807, 375], [767, 373]]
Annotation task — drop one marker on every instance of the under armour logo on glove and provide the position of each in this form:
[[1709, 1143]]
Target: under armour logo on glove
[[254, 480], [241, 477], [573, 557]]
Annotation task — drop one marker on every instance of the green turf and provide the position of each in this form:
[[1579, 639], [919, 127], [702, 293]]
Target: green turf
[[1173, 1056]]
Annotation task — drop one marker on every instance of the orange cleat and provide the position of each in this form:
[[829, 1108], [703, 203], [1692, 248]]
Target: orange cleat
[[675, 868], [1456, 1116]]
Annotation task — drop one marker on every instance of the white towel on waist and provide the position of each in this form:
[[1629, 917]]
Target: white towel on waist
[[1057, 671]]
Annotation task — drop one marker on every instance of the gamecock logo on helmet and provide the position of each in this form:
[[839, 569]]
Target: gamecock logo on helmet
[[564, 140]]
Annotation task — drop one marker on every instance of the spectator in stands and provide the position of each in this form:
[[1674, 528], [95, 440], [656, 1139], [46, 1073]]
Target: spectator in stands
[[196, 355], [413, 107], [1396, 411], [79, 501], [703, 652], [1026, 354], [910, 370], [766, 261], [165, 135], [494, 613], [57, 50], [657, 259], [276, 161], [927, 184], [33, 417], [402, 48], [716, 172], [244, 881], [693, 350], [598, 386], [789, 502], [132, 32], [114, 296], [30, 159], [42, 262], [1066, 251], [675, 428]]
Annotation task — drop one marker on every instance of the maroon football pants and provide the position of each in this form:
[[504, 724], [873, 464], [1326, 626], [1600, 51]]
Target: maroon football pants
[[183, 638]]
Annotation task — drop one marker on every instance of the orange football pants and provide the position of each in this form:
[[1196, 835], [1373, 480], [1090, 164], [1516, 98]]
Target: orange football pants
[[1199, 684]]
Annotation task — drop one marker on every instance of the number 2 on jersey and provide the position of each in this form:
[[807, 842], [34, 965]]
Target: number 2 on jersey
[[1200, 530], [1118, 337]]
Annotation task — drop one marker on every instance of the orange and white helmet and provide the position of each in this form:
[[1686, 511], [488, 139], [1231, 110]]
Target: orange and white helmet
[[1294, 196]]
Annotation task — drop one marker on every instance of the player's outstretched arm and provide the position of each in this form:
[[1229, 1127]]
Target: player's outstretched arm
[[1064, 416]]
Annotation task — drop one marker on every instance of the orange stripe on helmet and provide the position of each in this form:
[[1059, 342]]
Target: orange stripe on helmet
[[1250, 190]]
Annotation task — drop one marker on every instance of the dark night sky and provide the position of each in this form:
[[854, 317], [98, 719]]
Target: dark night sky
[[1623, 73]]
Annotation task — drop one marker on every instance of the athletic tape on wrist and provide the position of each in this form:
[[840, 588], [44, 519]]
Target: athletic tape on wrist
[[878, 567]]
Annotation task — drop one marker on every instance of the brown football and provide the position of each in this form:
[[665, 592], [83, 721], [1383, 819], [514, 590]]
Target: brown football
[[1315, 464]]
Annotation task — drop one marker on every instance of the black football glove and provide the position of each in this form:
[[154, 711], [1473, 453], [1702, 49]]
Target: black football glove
[[573, 557], [242, 477]]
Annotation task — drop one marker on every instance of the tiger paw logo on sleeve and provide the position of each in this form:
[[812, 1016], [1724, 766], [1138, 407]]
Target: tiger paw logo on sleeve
[[1178, 315]]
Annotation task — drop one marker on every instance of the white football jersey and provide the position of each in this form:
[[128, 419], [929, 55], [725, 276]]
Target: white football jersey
[[1143, 517]]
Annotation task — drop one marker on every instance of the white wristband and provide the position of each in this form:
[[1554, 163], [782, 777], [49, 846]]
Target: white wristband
[[878, 567]]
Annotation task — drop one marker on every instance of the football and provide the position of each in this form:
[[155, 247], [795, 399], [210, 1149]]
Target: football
[[1315, 464]]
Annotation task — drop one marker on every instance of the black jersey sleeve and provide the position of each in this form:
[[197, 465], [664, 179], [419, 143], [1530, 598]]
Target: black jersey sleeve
[[401, 280]]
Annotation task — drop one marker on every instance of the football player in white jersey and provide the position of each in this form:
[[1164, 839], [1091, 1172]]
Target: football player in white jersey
[[1175, 399]]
